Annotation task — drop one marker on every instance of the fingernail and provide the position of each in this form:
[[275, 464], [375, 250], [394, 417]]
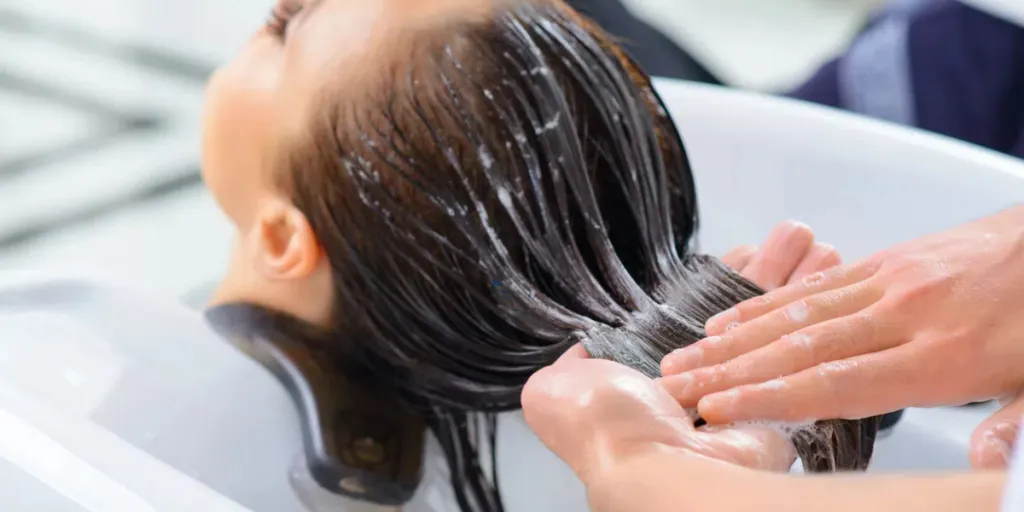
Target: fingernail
[[683, 360], [719, 322], [678, 385], [998, 443], [798, 226], [1006, 400], [795, 232], [1006, 431], [719, 404]]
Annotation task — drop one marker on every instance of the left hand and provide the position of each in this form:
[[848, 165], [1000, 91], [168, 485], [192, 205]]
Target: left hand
[[597, 414]]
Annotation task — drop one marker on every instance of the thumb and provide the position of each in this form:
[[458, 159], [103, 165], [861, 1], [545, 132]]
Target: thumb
[[549, 406], [993, 440]]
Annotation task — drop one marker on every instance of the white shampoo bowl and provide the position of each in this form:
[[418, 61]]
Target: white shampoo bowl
[[863, 185]]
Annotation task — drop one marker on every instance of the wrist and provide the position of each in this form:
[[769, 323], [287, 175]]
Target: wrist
[[662, 478]]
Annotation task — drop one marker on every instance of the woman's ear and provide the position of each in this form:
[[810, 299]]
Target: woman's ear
[[284, 246]]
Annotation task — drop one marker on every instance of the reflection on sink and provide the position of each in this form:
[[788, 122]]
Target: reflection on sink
[[930, 439]]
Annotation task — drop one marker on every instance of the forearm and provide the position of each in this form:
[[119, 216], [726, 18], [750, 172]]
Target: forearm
[[673, 482]]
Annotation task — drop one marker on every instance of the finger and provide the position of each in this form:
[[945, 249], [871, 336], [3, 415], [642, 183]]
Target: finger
[[738, 258], [820, 257], [854, 388], [834, 340], [834, 278], [750, 446], [783, 250], [992, 442], [768, 328], [577, 351]]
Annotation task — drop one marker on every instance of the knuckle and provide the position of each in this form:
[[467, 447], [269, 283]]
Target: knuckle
[[828, 276], [922, 289], [803, 348], [959, 348], [835, 377], [799, 311], [814, 280], [825, 344], [717, 375], [823, 304]]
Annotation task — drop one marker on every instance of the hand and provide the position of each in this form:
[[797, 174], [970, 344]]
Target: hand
[[787, 255], [932, 322], [597, 414], [640, 414]]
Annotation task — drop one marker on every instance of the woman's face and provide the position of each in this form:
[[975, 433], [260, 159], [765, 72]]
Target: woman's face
[[263, 101]]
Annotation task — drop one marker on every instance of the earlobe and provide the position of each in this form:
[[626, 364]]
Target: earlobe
[[286, 247]]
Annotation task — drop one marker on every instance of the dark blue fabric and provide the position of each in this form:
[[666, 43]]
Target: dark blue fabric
[[653, 51], [966, 69]]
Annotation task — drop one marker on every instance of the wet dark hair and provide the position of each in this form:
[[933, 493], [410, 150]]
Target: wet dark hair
[[516, 188]]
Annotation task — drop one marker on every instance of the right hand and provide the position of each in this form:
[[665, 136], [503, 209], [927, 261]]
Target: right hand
[[788, 254], [937, 321]]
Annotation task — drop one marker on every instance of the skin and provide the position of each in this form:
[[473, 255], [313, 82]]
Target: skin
[[932, 322], [260, 105], [623, 394], [625, 438]]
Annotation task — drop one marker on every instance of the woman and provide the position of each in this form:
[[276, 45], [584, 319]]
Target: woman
[[440, 198]]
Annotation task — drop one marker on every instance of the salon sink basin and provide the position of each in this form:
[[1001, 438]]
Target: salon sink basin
[[115, 399], [863, 185], [932, 439]]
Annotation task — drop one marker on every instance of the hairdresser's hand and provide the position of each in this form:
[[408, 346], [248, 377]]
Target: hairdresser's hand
[[936, 321], [596, 414], [787, 255]]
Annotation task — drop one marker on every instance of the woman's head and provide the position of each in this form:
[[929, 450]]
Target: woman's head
[[312, 59], [458, 191], [268, 105], [487, 162]]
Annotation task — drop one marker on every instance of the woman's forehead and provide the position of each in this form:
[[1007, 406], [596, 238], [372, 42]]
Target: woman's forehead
[[346, 44]]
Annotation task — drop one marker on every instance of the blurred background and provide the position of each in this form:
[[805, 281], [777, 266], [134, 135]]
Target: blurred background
[[101, 101]]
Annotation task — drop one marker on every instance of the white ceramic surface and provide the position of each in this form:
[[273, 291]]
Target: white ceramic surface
[[117, 400]]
